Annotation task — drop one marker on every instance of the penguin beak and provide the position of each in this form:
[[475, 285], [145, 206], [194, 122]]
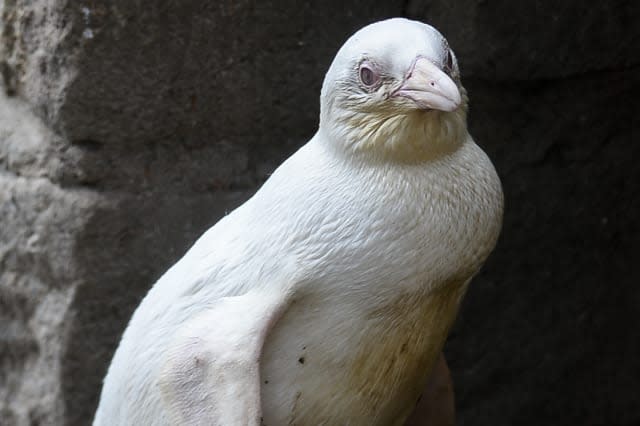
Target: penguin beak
[[429, 88]]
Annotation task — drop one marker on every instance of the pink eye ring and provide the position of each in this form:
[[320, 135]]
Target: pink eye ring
[[448, 62], [368, 76]]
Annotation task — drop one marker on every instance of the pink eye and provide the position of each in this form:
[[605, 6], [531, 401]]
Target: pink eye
[[368, 77]]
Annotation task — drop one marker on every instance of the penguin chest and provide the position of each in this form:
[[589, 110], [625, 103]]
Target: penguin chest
[[337, 364]]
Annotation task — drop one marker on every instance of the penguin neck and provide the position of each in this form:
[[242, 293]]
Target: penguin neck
[[412, 137]]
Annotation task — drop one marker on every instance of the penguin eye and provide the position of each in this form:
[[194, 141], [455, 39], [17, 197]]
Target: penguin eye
[[448, 62], [368, 76]]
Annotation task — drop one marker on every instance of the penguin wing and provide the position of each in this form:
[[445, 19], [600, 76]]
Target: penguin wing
[[211, 376]]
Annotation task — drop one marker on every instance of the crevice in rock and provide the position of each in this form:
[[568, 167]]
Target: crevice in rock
[[88, 144]]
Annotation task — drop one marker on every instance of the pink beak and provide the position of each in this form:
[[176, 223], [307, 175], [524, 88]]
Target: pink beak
[[429, 87]]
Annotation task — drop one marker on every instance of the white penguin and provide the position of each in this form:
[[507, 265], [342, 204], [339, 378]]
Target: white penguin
[[327, 297]]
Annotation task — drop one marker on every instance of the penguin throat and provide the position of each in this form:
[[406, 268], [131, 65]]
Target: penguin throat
[[413, 136]]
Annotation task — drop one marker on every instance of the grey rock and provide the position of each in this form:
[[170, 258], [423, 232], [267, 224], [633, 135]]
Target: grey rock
[[498, 40], [37, 284]]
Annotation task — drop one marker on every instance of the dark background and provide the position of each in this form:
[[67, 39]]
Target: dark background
[[178, 111]]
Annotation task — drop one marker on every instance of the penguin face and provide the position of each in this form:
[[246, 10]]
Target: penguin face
[[395, 66], [394, 90]]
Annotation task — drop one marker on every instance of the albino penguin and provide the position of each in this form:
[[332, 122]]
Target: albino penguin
[[327, 297]]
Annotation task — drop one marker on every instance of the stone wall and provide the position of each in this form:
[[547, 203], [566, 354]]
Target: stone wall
[[127, 128]]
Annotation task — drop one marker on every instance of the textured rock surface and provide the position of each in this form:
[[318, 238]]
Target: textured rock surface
[[129, 128], [38, 273]]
